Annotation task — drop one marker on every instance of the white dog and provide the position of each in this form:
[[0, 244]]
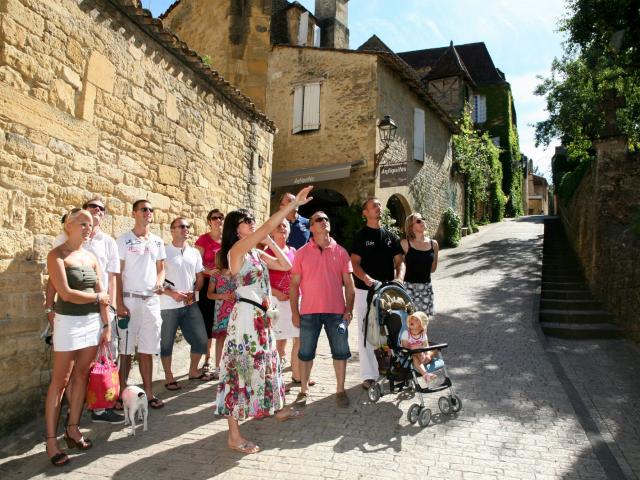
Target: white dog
[[135, 400]]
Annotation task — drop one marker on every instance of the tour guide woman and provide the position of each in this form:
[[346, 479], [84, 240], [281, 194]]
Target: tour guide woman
[[252, 384], [80, 324]]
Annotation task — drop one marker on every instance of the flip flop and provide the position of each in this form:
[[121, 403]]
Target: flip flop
[[156, 403], [246, 447], [172, 386], [205, 377], [290, 415], [311, 382], [60, 459], [118, 405]]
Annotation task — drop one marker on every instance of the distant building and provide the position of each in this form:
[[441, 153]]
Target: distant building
[[538, 199]]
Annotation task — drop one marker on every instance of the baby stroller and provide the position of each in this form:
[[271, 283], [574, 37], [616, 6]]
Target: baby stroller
[[389, 307]]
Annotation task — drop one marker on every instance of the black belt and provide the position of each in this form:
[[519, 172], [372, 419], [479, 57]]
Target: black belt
[[255, 304]]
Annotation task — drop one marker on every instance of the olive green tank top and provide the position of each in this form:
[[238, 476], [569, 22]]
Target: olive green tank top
[[81, 278]]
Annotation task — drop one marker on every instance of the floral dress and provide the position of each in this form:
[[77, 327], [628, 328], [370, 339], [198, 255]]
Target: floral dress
[[223, 308], [251, 380]]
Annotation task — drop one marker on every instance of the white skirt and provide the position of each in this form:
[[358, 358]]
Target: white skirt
[[283, 328], [75, 332]]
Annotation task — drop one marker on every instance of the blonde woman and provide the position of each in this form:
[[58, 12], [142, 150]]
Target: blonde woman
[[79, 326], [421, 259]]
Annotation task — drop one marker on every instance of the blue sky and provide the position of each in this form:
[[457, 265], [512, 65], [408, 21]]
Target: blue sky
[[521, 36]]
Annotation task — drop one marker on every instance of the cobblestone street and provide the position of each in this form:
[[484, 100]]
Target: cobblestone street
[[518, 418]]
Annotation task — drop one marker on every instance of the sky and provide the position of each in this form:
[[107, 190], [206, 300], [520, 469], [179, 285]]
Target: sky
[[521, 35]]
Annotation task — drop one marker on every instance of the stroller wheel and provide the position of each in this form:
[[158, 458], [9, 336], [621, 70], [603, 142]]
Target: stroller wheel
[[445, 405], [425, 417], [414, 413], [374, 393], [456, 403]]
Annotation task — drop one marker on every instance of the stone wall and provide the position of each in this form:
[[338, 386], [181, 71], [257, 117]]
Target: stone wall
[[603, 220], [237, 41], [92, 104]]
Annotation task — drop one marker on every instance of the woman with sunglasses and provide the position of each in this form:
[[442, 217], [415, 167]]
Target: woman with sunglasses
[[208, 244], [252, 383], [421, 259]]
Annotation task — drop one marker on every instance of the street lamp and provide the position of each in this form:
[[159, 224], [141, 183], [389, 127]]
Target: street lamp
[[387, 129]]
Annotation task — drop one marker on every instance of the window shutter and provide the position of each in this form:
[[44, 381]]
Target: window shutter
[[298, 94], [418, 135], [311, 116], [316, 36], [303, 29]]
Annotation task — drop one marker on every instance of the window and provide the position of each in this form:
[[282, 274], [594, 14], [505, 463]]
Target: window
[[418, 135], [479, 108], [303, 29], [316, 36], [306, 107], [496, 141]]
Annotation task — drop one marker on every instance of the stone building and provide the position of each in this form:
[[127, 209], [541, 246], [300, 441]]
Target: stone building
[[96, 98], [460, 74], [327, 100], [537, 195]]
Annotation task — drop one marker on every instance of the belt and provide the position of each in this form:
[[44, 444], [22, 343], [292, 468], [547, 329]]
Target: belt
[[136, 295]]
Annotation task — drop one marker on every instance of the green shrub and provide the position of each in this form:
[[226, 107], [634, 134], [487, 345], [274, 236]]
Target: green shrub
[[452, 225]]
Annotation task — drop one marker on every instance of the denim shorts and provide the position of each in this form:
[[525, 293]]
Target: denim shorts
[[310, 326], [189, 319]]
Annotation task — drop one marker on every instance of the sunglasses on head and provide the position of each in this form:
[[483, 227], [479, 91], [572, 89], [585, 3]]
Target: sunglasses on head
[[146, 209], [247, 220], [419, 220], [182, 226], [216, 217], [320, 219], [95, 205]]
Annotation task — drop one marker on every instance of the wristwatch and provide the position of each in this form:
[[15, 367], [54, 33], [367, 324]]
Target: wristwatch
[[48, 310]]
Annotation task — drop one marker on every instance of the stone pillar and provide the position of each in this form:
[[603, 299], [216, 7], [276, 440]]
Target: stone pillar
[[332, 16]]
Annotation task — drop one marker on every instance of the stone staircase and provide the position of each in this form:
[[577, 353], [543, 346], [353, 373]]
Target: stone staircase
[[567, 307]]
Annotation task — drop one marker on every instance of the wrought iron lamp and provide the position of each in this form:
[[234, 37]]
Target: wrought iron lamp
[[387, 129]]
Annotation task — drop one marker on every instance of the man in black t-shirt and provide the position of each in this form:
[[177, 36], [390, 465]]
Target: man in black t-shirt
[[376, 255]]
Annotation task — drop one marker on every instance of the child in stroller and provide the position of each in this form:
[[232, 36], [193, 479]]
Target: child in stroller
[[414, 337], [392, 308]]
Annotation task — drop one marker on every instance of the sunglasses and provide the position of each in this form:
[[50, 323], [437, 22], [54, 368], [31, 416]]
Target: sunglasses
[[320, 219], [419, 220], [99, 207], [247, 220], [183, 227], [146, 209], [216, 217]]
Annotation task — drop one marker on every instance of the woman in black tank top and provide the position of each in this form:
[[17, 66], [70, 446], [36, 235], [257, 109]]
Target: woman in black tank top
[[421, 259]]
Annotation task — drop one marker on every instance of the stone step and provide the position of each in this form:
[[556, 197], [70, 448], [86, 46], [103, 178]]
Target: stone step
[[574, 316], [581, 294], [561, 278], [569, 304], [581, 331], [562, 285]]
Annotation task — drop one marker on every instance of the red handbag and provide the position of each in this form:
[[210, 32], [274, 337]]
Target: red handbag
[[104, 384]]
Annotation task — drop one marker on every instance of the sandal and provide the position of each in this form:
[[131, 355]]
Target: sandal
[[60, 459], [246, 447], [118, 405], [205, 377], [290, 414], [206, 366], [172, 386], [81, 444], [155, 403], [311, 382]]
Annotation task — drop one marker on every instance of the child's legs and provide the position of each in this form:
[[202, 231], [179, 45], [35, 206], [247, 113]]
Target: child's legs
[[418, 363]]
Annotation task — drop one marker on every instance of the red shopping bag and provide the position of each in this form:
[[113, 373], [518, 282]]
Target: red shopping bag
[[104, 385]]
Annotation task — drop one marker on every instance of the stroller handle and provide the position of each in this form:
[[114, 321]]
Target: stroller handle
[[439, 346]]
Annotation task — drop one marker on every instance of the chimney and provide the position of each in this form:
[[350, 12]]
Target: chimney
[[332, 16]]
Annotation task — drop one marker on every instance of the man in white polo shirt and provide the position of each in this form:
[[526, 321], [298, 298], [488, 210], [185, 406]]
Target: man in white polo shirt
[[139, 286], [184, 277]]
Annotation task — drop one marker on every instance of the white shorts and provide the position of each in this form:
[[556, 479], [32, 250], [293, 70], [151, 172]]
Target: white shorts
[[75, 332], [284, 329], [144, 328]]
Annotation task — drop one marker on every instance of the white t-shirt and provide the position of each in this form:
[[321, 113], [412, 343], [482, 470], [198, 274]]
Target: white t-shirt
[[140, 256], [181, 267], [104, 248]]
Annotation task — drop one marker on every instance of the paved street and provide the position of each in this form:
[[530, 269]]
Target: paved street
[[521, 394]]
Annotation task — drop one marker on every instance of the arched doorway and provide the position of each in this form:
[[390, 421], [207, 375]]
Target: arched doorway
[[330, 202], [399, 210]]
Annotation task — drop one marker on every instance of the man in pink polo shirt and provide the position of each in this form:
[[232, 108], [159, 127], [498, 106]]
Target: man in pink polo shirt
[[320, 270]]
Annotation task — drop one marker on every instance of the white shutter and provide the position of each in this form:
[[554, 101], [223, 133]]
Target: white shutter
[[303, 29], [298, 95], [311, 115], [418, 134], [316, 36]]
